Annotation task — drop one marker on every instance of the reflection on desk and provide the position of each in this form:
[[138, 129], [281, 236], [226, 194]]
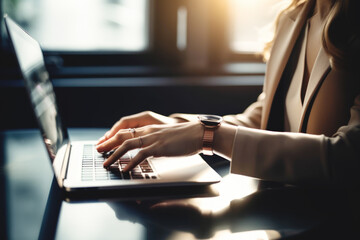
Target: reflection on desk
[[239, 209], [27, 178]]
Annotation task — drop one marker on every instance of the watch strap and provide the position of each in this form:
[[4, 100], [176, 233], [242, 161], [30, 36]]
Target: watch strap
[[208, 139]]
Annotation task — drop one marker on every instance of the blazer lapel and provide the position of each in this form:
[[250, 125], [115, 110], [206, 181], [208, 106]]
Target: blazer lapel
[[285, 40], [320, 70]]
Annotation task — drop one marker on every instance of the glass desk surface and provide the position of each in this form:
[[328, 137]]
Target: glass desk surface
[[238, 207]]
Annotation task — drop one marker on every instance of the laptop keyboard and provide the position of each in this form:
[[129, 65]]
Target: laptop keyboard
[[93, 170]]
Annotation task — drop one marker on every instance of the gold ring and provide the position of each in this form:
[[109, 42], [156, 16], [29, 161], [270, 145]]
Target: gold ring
[[132, 132], [140, 142]]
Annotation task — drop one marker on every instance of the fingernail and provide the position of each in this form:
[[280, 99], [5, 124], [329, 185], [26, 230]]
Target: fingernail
[[105, 164]]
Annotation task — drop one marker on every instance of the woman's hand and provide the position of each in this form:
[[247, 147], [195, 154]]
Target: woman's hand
[[135, 121], [155, 141]]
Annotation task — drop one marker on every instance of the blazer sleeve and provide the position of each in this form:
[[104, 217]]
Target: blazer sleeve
[[251, 117], [298, 158]]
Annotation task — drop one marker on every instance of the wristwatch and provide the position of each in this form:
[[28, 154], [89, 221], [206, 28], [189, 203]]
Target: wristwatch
[[210, 123]]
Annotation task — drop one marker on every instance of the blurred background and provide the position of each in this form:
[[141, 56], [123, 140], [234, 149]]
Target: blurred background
[[110, 58], [124, 25]]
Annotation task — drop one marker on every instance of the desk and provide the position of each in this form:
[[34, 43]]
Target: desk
[[237, 208]]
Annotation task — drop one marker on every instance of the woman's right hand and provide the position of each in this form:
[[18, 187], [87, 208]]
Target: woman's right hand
[[136, 121]]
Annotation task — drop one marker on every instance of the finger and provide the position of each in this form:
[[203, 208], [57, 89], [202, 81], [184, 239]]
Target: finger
[[132, 121], [101, 140], [140, 156], [115, 141], [124, 148], [121, 124]]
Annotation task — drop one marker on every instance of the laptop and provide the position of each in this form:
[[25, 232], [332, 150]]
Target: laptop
[[77, 165]]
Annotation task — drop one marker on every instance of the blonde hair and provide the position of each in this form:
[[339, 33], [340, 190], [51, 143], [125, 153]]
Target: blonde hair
[[341, 33]]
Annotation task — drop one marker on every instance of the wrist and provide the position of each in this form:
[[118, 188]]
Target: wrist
[[210, 124]]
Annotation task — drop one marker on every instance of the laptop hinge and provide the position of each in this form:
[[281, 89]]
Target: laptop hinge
[[65, 163]]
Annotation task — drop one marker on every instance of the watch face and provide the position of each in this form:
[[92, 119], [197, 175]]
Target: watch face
[[210, 120]]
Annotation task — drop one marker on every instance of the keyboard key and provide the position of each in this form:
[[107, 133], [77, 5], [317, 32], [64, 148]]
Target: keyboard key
[[87, 160], [136, 170], [138, 177], [125, 160], [86, 173], [114, 167], [146, 170], [101, 177], [101, 174], [87, 163], [87, 168], [126, 175], [115, 176], [136, 174]]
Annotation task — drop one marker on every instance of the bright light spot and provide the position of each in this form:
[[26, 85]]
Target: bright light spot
[[228, 235], [181, 28], [250, 235], [252, 23], [231, 187]]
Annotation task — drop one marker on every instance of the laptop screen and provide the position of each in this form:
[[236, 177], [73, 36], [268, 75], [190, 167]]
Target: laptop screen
[[39, 87]]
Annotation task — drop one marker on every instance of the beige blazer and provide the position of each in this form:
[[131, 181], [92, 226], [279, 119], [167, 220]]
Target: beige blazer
[[326, 149]]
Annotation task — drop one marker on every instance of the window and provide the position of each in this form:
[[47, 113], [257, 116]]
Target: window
[[83, 25], [108, 37]]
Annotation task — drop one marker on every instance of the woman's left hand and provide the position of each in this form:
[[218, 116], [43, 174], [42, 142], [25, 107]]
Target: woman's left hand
[[155, 141]]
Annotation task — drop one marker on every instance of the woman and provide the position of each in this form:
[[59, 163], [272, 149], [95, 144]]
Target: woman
[[304, 127]]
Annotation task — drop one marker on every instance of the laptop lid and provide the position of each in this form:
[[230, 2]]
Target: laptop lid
[[40, 90]]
